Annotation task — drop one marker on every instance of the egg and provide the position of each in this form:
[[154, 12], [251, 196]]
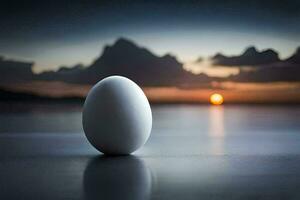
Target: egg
[[117, 117]]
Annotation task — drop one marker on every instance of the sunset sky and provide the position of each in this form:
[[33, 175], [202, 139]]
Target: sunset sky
[[177, 51], [54, 34]]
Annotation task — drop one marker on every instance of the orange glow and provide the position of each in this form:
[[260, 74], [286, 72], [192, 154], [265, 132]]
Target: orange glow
[[216, 99]]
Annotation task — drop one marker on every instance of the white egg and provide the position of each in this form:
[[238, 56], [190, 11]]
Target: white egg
[[116, 116]]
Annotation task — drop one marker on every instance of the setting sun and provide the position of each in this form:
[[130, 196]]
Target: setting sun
[[216, 99]]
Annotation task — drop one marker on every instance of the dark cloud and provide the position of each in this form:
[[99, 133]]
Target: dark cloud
[[251, 57], [28, 24]]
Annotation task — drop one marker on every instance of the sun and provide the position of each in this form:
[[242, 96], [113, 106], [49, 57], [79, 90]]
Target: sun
[[216, 99]]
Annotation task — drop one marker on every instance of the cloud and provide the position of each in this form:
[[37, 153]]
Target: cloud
[[250, 57]]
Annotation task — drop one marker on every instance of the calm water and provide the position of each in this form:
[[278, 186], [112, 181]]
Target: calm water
[[194, 152]]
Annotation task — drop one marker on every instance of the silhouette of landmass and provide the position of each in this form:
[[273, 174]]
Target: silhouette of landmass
[[7, 95], [251, 57], [287, 70], [126, 58], [15, 71]]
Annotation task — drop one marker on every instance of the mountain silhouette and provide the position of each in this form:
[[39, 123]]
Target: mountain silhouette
[[126, 58], [250, 57], [295, 58], [15, 71], [137, 63], [287, 70]]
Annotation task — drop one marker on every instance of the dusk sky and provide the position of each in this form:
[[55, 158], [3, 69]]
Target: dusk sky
[[59, 33]]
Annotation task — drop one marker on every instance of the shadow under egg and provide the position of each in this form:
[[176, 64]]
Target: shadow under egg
[[122, 177]]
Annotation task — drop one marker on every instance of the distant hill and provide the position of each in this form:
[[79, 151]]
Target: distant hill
[[127, 59], [250, 57], [295, 58], [163, 78], [7, 95], [15, 71]]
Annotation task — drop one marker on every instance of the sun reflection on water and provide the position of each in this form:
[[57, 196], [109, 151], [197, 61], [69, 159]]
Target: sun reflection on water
[[216, 129]]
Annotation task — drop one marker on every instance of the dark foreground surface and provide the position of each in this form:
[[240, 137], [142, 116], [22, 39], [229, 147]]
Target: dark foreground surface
[[194, 152]]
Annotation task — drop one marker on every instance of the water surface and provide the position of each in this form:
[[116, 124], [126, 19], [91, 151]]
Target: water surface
[[194, 152]]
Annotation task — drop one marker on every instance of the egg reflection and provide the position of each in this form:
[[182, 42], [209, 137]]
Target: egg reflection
[[113, 178]]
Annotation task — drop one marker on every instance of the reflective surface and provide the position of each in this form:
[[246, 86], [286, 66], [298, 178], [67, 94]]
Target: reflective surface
[[124, 177], [194, 152]]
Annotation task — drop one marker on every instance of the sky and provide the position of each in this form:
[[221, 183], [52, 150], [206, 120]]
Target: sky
[[65, 33]]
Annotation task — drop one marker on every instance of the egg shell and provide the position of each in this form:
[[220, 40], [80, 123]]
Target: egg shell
[[117, 116]]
